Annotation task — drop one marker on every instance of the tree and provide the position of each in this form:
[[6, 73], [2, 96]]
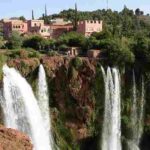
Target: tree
[[32, 15], [116, 53], [76, 18], [137, 12], [72, 39], [15, 40], [36, 42], [22, 18], [45, 10]]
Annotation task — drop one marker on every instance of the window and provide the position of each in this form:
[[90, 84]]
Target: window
[[35, 24], [94, 21], [91, 21]]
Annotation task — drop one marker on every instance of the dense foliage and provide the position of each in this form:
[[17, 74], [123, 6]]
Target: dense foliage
[[125, 38]]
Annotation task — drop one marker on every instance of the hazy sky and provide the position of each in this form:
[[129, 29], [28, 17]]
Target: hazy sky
[[11, 8]]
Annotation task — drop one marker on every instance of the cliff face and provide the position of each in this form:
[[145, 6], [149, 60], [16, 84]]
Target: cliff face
[[76, 93], [72, 97], [11, 139]]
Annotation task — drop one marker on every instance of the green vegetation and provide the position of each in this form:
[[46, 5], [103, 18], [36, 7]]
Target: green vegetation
[[77, 62], [53, 53], [123, 41], [76, 89], [3, 59], [14, 41]]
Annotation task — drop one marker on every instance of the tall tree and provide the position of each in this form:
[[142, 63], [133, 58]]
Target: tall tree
[[32, 15], [76, 18], [45, 10], [22, 18]]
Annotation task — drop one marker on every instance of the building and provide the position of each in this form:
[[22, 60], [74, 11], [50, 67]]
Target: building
[[53, 30], [73, 51], [14, 25], [34, 25], [59, 29], [45, 31], [93, 53], [38, 27], [87, 27], [60, 21]]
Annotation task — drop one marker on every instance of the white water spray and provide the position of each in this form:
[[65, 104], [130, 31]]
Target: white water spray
[[137, 115], [43, 101], [112, 115], [19, 101]]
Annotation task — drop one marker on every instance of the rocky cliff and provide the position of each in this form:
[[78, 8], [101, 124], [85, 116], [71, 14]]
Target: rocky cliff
[[11, 139], [76, 93]]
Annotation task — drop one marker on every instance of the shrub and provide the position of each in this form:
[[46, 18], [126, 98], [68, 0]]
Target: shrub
[[77, 62], [34, 54], [35, 42], [52, 53], [3, 59], [23, 54], [14, 41], [63, 47]]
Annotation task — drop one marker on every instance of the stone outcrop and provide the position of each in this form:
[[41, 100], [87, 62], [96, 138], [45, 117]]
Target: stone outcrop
[[71, 91], [11, 139]]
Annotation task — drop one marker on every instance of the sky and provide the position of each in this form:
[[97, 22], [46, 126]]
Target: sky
[[16, 8]]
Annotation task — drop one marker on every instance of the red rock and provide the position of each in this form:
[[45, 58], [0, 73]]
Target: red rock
[[11, 139]]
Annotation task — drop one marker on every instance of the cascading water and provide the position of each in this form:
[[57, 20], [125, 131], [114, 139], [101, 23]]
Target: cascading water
[[43, 100], [141, 112], [137, 116], [21, 109], [112, 115]]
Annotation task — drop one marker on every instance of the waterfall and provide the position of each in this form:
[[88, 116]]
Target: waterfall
[[111, 133], [141, 112], [137, 115], [134, 114], [21, 109], [43, 100]]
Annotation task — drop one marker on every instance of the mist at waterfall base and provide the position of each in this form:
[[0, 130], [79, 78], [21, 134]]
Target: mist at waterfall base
[[21, 109]]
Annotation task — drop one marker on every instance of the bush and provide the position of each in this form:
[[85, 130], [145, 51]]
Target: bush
[[23, 54], [72, 39], [14, 41], [63, 47], [52, 53], [14, 54], [77, 62], [34, 54], [35, 42], [3, 59], [116, 53]]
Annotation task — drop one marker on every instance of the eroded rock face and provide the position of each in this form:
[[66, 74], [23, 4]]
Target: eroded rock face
[[11, 139], [71, 83]]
